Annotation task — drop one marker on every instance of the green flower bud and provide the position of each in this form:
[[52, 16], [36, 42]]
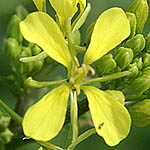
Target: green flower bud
[[21, 12], [146, 60], [146, 70], [136, 43], [13, 29], [140, 113], [12, 49], [123, 57], [132, 20], [77, 37], [105, 65], [36, 50], [141, 84], [89, 33], [135, 70], [25, 68], [139, 63], [147, 46], [140, 8]]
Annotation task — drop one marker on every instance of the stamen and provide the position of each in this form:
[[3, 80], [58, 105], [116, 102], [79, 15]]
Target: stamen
[[84, 67], [91, 70], [77, 89], [76, 61]]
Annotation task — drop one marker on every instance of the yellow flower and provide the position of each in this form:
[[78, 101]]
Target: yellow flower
[[44, 120], [39, 4]]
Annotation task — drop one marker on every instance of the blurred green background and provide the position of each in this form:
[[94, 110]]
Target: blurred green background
[[138, 138]]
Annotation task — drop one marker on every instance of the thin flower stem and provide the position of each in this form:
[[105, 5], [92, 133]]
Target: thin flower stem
[[49, 145], [13, 115], [82, 137], [37, 84], [108, 77], [74, 115]]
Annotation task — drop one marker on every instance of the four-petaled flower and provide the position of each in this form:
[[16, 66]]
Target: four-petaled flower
[[44, 120]]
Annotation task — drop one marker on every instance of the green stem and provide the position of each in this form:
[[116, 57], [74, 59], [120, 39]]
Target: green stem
[[13, 115], [108, 77], [70, 38], [82, 137], [74, 115], [38, 57], [36, 84], [131, 97], [49, 145]]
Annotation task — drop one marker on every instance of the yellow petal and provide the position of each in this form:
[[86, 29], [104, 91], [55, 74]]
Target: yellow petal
[[41, 29], [44, 120], [39, 4], [117, 94], [111, 119], [111, 28], [64, 8]]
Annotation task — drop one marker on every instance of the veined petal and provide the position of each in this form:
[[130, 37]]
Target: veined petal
[[41, 29], [44, 120], [111, 119], [64, 8], [39, 4], [111, 28]]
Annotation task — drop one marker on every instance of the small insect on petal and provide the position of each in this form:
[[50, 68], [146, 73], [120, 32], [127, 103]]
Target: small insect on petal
[[100, 126]]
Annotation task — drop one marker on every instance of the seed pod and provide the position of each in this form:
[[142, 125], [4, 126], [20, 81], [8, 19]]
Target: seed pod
[[12, 49], [89, 33], [132, 20], [136, 43], [140, 113], [147, 46], [140, 9], [13, 29], [146, 60], [123, 57], [105, 65], [141, 84]]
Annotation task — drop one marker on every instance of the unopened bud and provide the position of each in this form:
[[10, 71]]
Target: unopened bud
[[105, 65], [13, 29], [146, 60], [124, 57], [136, 43], [140, 9], [147, 46], [132, 21]]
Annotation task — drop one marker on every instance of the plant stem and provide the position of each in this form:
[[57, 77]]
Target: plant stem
[[13, 115], [108, 77]]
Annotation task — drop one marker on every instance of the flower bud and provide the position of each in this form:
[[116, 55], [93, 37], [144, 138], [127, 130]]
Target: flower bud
[[146, 70], [105, 65], [132, 20], [141, 84], [12, 49], [146, 60], [134, 69], [13, 29], [36, 50], [147, 46], [139, 63], [123, 57], [21, 12], [25, 68], [140, 9], [140, 113], [136, 43]]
